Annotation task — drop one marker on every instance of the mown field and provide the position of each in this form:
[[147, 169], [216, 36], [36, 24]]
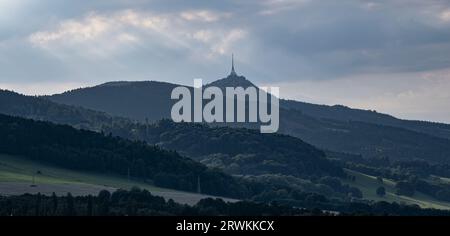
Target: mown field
[[368, 185], [17, 174]]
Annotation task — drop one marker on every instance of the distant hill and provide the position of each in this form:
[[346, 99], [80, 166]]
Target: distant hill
[[136, 100], [343, 113], [14, 104], [370, 140], [335, 128]]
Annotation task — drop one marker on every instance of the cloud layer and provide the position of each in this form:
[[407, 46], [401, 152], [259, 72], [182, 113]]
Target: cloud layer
[[365, 45]]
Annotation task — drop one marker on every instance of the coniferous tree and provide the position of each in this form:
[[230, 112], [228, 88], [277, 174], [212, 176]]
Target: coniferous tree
[[89, 210], [54, 203], [104, 198], [381, 191], [38, 205]]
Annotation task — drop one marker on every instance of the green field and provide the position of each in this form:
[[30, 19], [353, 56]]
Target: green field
[[16, 177], [368, 185]]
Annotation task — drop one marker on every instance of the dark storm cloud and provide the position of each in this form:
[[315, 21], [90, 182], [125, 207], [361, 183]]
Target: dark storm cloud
[[341, 37], [297, 38]]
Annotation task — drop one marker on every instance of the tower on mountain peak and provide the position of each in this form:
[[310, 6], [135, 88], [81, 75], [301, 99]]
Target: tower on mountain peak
[[232, 80]]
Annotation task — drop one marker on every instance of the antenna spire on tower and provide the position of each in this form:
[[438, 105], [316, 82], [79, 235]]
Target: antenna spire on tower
[[232, 65]]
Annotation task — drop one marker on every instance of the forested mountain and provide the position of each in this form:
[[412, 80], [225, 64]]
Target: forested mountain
[[64, 146], [370, 140], [343, 113], [335, 128]]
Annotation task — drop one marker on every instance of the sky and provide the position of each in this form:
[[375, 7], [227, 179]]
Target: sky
[[392, 56]]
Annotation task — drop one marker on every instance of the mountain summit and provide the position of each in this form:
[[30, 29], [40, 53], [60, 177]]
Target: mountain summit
[[232, 80]]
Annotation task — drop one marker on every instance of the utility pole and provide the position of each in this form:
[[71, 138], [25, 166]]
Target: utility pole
[[199, 190], [146, 129]]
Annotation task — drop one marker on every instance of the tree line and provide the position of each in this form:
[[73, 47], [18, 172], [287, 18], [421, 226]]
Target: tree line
[[138, 202]]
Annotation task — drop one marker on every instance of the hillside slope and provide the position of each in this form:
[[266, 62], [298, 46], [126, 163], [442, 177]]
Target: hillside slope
[[70, 148], [17, 175]]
